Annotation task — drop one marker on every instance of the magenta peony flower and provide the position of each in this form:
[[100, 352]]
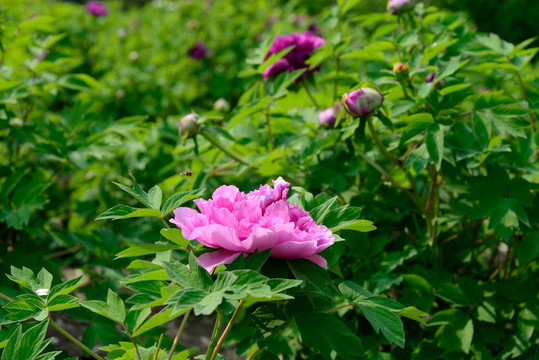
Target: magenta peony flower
[[237, 223], [328, 117], [199, 51], [96, 8], [398, 6], [304, 45], [363, 101]]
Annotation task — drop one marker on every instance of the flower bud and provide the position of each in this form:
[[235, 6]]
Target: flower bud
[[399, 6], [328, 117], [187, 126], [221, 105], [363, 101], [199, 51], [401, 67], [430, 78]]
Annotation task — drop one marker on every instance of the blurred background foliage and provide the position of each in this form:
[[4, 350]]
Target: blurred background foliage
[[84, 100]]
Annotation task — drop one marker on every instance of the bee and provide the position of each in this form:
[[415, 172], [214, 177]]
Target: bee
[[186, 173]]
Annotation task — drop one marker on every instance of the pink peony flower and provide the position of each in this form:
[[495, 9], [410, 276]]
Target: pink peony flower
[[363, 101], [328, 117], [304, 45], [96, 8], [237, 223]]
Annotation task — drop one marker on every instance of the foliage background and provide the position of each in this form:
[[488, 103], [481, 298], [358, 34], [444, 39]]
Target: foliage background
[[107, 96]]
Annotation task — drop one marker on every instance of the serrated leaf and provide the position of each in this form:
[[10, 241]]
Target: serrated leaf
[[113, 309]]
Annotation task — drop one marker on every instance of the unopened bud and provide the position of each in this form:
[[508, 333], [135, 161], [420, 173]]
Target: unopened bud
[[187, 126], [363, 101]]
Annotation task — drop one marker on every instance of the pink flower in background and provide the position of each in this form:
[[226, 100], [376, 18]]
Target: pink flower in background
[[328, 117], [399, 6], [96, 8], [237, 223], [304, 45], [199, 51]]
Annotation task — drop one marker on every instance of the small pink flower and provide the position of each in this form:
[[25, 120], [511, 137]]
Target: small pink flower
[[199, 51], [328, 117], [96, 8], [237, 223]]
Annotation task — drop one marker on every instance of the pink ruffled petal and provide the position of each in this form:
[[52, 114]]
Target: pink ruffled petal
[[211, 260], [216, 235], [260, 239], [184, 219], [318, 260], [294, 249]]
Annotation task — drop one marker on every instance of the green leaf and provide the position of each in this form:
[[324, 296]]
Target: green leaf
[[416, 124], [256, 260], [336, 335], [160, 318], [175, 235], [449, 70], [192, 277], [313, 274], [32, 341], [319, 213], [356, 225], [496, 44], [141, 213], [113, 309], [62, 302], [155, 197], [145, 249], [116, 212], [65, 288], [209, 303], [383, 320], [135, 318], [135, 191], [481, 129], [178, 199], [186, 299], [13, 345], [528, 249], [435, 144]]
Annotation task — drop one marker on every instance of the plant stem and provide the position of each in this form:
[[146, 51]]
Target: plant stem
[[165, 223], [227, 330], [379, 143], [268, 122], [5, 297], [177, 338], [220, 147], [78, 343], [309, 92], [136, 346], [156, 356], [215, 335]]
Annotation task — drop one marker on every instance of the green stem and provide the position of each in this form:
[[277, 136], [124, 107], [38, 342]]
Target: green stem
[[177, 338], [156, 356], [379, 143], [135, 345], [215, 335], [78, 343], [165, 223], [220, 147], [268, 122], [227, 330], [5, 297], [309, 92]]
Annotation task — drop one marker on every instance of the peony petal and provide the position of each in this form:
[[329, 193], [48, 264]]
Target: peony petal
[[294, 249], [185, 218], [217, 236], [260, 239], [318, 260], [211, 260]]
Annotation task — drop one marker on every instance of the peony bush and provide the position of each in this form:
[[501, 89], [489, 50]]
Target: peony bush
[[258, 138]]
